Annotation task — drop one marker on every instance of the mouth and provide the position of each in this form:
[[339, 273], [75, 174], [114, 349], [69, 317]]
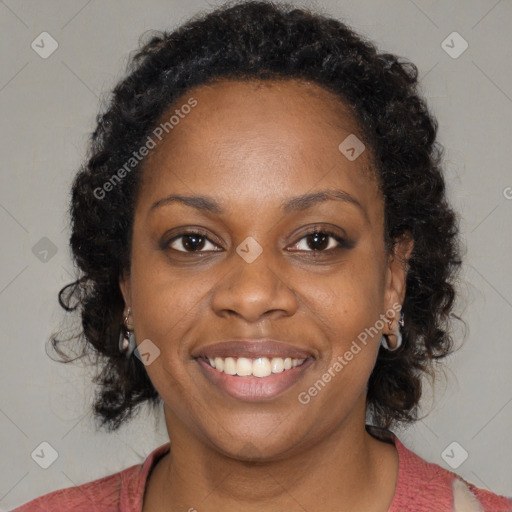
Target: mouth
[[259, 367], [253, 379]]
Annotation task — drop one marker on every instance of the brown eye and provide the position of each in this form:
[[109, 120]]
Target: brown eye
[[320, 240], [191, 242]]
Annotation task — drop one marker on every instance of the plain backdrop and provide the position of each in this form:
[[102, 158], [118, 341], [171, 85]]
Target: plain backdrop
[[48, 108]]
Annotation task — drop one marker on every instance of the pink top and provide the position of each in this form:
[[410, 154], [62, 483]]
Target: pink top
[[421, 487]]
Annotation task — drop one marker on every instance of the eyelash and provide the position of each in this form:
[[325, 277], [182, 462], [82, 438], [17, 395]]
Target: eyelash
[[342, 243]]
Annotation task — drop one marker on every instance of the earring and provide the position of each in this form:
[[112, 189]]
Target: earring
[[127, 342], [397, 334]]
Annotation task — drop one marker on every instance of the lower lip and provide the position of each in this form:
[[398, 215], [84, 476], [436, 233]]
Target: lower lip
[[254, 388]]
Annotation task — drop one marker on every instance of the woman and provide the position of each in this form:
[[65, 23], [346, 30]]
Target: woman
[[266, 248]]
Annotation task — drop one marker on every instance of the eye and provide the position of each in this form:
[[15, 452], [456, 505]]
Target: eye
[[321, 240], [316, 240], [191, 241]]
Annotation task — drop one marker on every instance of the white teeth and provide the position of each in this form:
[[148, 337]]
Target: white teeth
[[243, 366], [219, 364], [259, 367], [230, 366], [277, 365]]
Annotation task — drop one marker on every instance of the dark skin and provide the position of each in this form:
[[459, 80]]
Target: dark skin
[[251, 147]]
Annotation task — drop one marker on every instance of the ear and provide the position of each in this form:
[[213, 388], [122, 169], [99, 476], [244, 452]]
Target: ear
[[397, 271], [125, 286]]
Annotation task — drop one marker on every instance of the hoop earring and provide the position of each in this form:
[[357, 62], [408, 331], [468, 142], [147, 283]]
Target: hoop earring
[[384, 341], [127, 342]]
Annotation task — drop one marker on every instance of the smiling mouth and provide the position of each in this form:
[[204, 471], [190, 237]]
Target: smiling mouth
[[259, 367]]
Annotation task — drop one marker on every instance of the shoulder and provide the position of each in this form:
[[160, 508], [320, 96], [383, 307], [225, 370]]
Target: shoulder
[[424, 486], [104, 492], [122, 491]]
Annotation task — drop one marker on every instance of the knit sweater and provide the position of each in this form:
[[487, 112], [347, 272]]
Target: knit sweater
[[421, 487]]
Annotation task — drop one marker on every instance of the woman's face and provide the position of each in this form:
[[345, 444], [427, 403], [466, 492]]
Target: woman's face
[[260, 154]]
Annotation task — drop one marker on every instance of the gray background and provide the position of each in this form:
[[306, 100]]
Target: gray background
[[48, 110]]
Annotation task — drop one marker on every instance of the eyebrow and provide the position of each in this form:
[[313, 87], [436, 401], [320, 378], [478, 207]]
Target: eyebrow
[[299, 203]]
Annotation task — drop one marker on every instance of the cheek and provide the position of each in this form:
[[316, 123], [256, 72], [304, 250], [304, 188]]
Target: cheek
[[165, 312], [166, 307], [347, 309], [349, 300], [349, 353]]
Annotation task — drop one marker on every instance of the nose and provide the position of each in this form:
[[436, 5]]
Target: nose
[[254, 290]]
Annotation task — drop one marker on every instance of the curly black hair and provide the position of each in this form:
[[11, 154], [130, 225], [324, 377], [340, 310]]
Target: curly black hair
[[252, 40]]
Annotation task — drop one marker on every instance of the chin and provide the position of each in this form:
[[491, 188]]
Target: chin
[[257, 446]]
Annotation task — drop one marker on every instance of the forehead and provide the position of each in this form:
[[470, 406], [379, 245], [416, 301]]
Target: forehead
[[245, 135], [288, 106]]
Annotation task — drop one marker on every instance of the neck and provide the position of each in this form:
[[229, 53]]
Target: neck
[[349, 470]]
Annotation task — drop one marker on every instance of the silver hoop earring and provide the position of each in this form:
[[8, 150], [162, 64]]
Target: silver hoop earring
[[127, 342], [398, 335], [398, 343]]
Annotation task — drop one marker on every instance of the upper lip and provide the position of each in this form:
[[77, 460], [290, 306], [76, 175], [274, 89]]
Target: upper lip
[[252, 348]]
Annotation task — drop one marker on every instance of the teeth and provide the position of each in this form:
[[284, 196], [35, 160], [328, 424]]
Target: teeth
[[277, 365], [259, 367], [230, 366], [243, 366]]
